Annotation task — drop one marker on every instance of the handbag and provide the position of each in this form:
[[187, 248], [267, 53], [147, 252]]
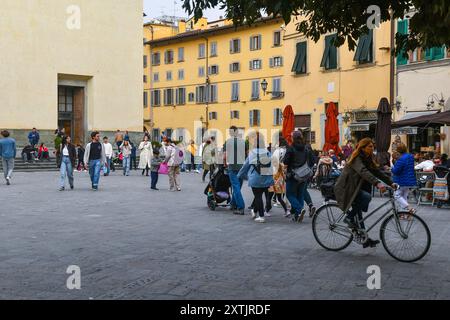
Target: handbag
[[303, 173], [440, 189], [163, 168]]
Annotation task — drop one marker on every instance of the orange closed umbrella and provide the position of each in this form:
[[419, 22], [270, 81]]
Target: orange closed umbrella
[[288, 123], [332, 129]]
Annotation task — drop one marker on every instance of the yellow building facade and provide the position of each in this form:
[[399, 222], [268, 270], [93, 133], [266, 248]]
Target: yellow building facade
[[316, 74], [71, 64], [208, 77]]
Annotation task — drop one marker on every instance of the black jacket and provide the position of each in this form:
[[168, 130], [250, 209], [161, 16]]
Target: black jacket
[[297, 155], [72, 153]]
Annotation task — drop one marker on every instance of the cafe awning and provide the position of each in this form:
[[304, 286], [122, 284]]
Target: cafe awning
[[439, 118]]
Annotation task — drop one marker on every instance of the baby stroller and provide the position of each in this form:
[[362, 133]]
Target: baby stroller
[[218, 190]]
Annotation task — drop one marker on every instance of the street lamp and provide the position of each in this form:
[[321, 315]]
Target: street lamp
[[264, 86], [430, 103]]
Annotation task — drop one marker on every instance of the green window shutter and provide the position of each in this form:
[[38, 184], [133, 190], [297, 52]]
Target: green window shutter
[[429, 54], [300, 59], [332, 53], [438, 53], [297, 57], [402, 28], [329, 59]]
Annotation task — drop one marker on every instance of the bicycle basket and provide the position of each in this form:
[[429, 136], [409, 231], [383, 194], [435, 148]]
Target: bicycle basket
[[327, 190]]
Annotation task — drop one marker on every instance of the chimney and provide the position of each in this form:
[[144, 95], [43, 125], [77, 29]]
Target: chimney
[[181, 26]]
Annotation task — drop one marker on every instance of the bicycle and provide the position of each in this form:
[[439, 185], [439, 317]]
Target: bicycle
[[405, 236]]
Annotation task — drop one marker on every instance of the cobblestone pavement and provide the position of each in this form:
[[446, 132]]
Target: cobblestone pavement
[[131, 243]]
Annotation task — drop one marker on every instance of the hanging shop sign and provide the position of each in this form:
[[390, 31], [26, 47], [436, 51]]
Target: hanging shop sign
[[404, 130]]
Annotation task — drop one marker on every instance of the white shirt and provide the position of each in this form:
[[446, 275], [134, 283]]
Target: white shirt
[[108, 149], [65, 151], [426, 165]]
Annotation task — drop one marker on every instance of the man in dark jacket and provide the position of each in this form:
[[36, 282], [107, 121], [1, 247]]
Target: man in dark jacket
[[33, 137], [296, 157]]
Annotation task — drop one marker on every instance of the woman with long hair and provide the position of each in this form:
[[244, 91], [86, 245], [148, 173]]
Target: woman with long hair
[[354, 187], [145, 158], [298, 159], [68, 156], [126, 153]]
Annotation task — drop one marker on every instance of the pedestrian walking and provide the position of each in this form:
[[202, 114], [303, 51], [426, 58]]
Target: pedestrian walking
[[208, 159], [156, 163], [133, 156], [80, 154], [109, 153], [173, 159], [118, 139], [258, 169], [68, 156], [277, 190], [8, 155], [33, 137], [405, 176], [126, 153], [145, 157], [57, 141], [299, 161], [95, 157], [191, 152], [234, 159]]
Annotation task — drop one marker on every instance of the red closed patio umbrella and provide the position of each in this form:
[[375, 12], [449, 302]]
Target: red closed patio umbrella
[[288, 123], [332, 130]]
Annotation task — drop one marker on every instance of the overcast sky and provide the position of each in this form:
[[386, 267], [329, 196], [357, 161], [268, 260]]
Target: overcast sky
[[155, 8]]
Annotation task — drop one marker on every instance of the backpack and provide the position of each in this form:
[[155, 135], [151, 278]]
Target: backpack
[[178, 155], [267, 163], [440, 189]]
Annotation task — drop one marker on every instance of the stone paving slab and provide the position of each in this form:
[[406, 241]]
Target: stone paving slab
[[132, 243]]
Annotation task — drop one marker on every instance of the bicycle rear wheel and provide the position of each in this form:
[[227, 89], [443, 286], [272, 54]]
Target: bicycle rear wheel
[[413, 245], [327, 230]]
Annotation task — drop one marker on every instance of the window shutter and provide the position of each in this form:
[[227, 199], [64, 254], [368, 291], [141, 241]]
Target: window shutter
[[332, 64], [281, 61], [402, 28], [251, 65], [258, 118], [275, 117], [231, 46], [429, 54], [231, 67], [251, 118], [438, 53], [259, 42]]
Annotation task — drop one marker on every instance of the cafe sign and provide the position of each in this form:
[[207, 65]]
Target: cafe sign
[[369, 115], [404, 130]]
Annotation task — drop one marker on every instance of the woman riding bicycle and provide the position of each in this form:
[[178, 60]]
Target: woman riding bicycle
[[354, 186]]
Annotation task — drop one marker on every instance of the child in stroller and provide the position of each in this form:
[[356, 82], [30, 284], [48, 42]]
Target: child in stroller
[[218, 190]]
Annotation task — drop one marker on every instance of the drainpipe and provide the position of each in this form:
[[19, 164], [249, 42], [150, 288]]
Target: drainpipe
[[208, 87], [392, 64], [151, 85]]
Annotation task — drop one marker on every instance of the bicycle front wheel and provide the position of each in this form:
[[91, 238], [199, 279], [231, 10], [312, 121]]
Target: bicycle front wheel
[[328, 231], [407, 239]]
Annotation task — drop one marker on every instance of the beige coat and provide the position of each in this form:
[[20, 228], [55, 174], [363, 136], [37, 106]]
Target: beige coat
[[145, 157]]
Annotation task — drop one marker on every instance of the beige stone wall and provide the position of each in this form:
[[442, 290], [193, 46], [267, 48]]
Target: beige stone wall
[[37, 46]]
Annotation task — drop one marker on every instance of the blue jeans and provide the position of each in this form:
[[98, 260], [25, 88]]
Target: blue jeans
[[236, 184], [66, 169], [360, 205], [107, 168], [154, 178], [308, 199], [126, 165], [8, 167], [94, 172], [295, 192]]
